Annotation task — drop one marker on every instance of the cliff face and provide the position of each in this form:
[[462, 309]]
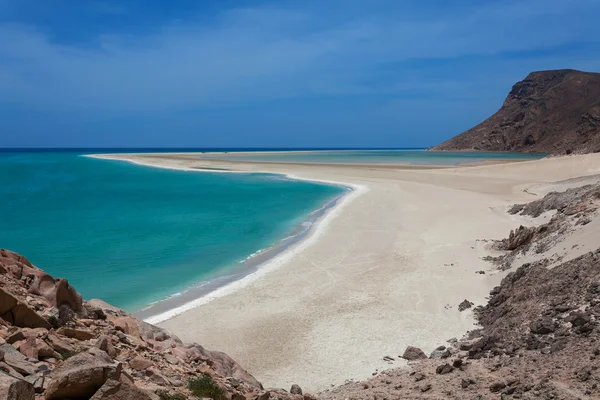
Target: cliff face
[[554, 112], [54, 344]]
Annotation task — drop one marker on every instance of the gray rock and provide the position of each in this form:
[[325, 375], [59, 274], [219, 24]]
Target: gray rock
[[295, 389], [413, 353], [464, 305], [12, 388], [497, 386], [17, 360], [444, 369]]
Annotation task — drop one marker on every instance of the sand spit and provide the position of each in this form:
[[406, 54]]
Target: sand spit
[[387, 270]]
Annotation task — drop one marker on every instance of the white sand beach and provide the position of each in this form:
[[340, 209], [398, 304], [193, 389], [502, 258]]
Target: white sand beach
[[386, 268]]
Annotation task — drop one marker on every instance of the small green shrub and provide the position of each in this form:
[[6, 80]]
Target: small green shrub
[[164, 395], [206, 387], [67, 354]]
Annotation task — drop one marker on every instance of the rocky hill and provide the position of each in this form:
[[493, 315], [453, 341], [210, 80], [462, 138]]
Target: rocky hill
[[555, 112], [54, 346]]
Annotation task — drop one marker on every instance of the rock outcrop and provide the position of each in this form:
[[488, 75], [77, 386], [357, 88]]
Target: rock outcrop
[[56, 346], [554, 112]]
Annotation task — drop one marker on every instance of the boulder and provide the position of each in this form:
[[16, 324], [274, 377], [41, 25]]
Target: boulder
[[464, 305], [4, 367], [578, 318], [413, 353], [58, 292], [140, 363], [19, 314], [15, 336], [12, 388], [106, 308], [440, 352], [38, 349], [58, 344], [127, 324], [444, 369], [92, 312], [543, 326], [497, 386], [82, 375], [37, 380], [222, 364], [113, 389], [295, 389], [104, 343], [156, 377], [29, 349], [519, 237], [17, 360], [78, 334]]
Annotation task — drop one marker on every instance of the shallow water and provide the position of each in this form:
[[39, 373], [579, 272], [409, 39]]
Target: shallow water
[[415, 157], [133, 235]]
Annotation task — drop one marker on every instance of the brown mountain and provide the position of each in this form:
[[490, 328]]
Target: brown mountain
[[554, 112]]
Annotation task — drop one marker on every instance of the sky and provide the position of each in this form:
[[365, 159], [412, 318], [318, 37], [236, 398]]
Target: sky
[[306, 73]]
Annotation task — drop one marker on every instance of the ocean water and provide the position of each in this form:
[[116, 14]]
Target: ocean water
[[133, 235], [414, 157]]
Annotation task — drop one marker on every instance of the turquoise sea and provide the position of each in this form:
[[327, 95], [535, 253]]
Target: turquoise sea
[[414, 157], [132, 235]]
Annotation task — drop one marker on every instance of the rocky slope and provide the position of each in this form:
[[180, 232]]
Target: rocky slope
[[554, 112], [540, 331], [53, 345]]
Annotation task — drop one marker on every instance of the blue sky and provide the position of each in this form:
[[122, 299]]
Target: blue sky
[[337, 73]]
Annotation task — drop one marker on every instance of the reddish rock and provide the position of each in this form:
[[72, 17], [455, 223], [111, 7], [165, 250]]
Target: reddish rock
[[17, 360], [16, 336], [126, 324], [103, 343], [180, 353], [58, 344], [29, 348], [15, 389], [78, 334], [140, 363], [156, 377], [77, 366], [82, 375], [19, 314], [225, 365], [57, 291], [113, 389]]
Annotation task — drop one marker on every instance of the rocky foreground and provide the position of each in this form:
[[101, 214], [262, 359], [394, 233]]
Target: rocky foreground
[[55, 346], [554, 112], [540, 331]]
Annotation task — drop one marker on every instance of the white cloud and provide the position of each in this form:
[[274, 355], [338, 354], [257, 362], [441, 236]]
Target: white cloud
[[271, 53]]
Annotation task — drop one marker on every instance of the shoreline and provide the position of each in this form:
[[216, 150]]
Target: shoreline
[[247, 270], [243, 273], [388, 271]]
